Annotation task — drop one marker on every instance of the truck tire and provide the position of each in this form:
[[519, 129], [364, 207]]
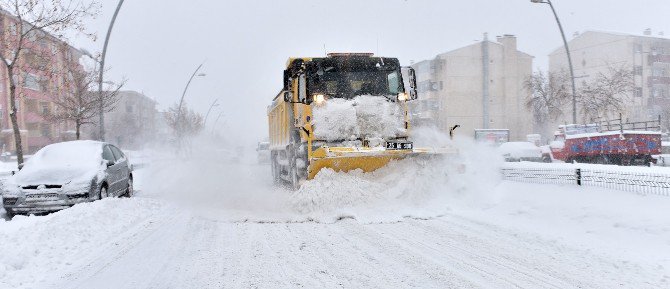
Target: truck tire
[[274, 166], [294, 176], [297, 174]]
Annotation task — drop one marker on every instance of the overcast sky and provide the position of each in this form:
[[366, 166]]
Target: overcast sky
[[156, 44]]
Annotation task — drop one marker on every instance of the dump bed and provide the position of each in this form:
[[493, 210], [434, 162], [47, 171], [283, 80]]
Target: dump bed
[[613, 143]]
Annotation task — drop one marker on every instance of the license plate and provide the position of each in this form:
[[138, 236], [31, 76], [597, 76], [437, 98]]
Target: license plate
[[41, 197], [399, 145]]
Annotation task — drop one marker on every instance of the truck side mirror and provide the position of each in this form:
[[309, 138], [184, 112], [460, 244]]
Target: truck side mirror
[[412, 84], [287, 96]]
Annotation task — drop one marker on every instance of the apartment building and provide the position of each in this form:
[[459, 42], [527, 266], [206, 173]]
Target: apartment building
[[133, 121], [648, 55], [37, 82], [479, 86]]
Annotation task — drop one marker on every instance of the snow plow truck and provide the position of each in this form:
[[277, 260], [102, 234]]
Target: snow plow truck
[[346, 111]]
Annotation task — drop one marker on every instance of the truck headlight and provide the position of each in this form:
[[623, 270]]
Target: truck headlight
[[319, 98], [402, 96]]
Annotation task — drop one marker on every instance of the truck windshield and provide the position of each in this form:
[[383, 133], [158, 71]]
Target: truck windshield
[[349, 81]]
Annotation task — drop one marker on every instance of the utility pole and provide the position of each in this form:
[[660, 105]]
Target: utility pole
[[102, 71], [567, 52]]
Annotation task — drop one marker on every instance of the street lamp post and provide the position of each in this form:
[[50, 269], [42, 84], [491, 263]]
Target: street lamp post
[[215, 121], [181, 101], [102, 71], [204, 123], [567, 51]]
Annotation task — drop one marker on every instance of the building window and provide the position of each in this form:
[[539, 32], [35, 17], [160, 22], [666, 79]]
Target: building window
[[46, 130], [12, 28], [658, 72], [31, 81], [44, 107], [31, 105], [637, 48], [638, 92], [33, 130], [638, 69]]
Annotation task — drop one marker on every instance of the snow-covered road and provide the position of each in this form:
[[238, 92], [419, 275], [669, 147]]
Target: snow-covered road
[[189, 251], [204, 224]]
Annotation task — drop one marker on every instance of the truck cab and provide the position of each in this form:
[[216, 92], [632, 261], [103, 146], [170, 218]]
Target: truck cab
[[345, 111]]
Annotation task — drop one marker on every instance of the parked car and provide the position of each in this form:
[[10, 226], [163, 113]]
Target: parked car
[[520, 151], [64, 174], [663, 159], [263, 151]]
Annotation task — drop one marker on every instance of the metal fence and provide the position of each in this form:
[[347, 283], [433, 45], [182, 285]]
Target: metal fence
[[638, 182]]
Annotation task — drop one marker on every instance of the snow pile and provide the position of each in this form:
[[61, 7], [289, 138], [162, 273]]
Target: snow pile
[[419, 187], [365, 116], [34, 247], [520, 149], [622, 225]]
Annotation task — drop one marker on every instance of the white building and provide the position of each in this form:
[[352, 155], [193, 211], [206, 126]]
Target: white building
[[479, 86], [648, 56]]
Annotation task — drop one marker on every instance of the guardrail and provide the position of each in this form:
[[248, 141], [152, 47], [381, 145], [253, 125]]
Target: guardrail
[[612, 177]]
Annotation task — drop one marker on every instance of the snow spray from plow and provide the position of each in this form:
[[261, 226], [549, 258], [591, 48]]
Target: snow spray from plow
[[408, 188]]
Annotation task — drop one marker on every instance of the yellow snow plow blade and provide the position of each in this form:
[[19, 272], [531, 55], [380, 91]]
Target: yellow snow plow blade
[[344, 159]]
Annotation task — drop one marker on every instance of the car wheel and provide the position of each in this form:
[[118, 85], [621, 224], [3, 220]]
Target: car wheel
[[130, 189]]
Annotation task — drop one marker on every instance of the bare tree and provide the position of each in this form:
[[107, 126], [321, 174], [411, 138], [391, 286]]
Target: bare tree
[[606, 94], [189, 123], [36, 21], [548, 95], [77, 102]]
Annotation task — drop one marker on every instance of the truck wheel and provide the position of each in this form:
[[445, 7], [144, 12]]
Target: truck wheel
[[297, 171], [294, 177], [274, 165]]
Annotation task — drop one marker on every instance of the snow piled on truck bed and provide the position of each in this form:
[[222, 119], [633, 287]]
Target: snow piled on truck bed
[[363, 116]]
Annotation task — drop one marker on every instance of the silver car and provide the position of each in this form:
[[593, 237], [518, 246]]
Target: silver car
[[64, 174]]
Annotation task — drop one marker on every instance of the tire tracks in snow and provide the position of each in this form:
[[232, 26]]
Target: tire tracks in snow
[[577, 266], [95, 262], [467, 254]]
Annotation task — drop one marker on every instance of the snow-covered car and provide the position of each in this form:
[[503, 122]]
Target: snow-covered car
[[663, 159], [64, 174], [546, 154], [263, 152], [520, 151]]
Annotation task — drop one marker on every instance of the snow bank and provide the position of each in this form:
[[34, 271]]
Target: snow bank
[[621, 225], [373, 117], [34, 247]]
